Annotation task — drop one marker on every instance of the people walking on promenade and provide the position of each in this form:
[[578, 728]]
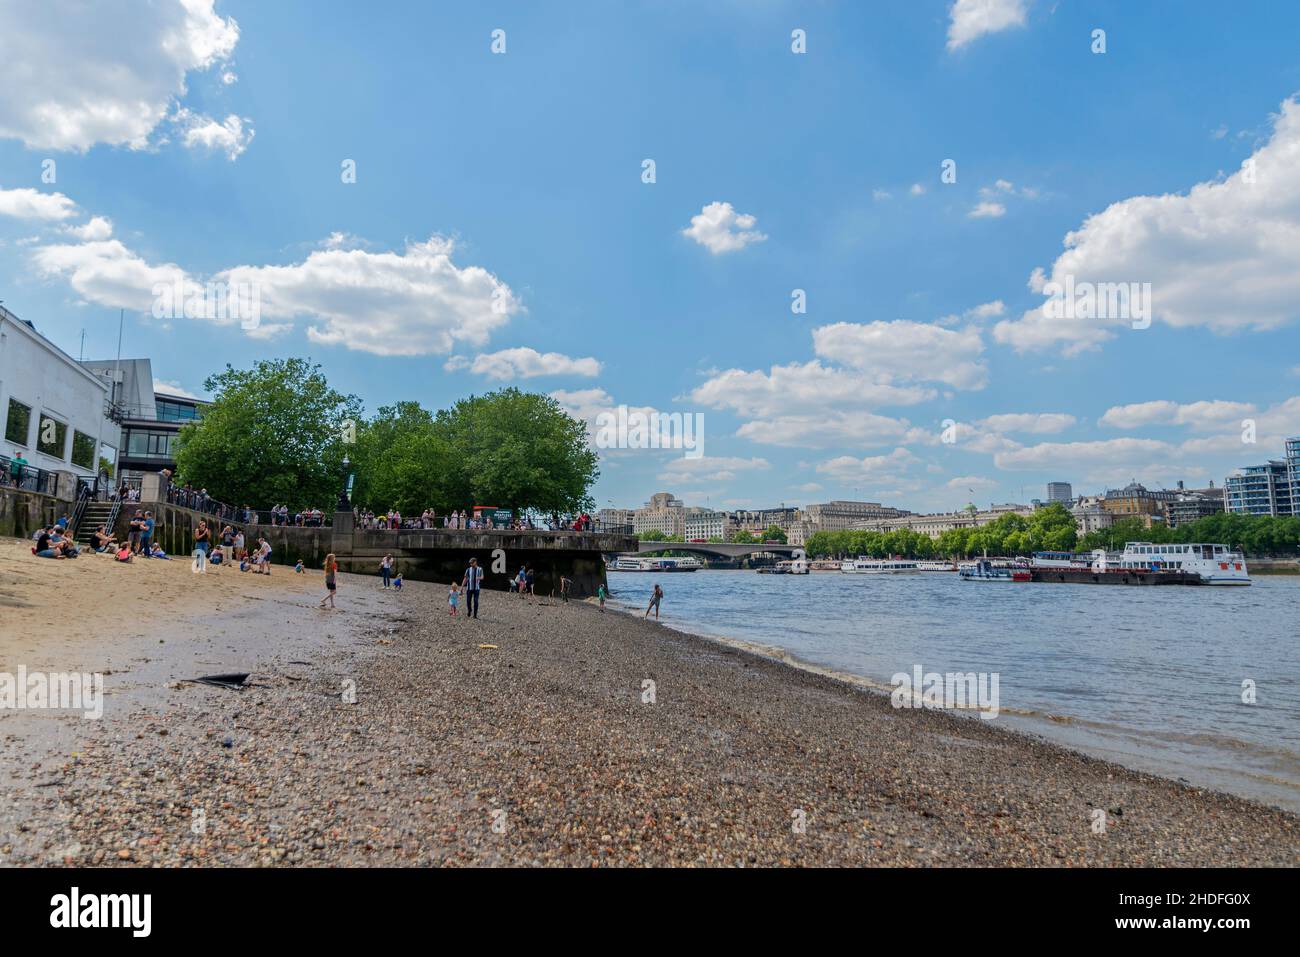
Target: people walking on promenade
[[656, 596], [471, 583], [386, 569], [331, 579]]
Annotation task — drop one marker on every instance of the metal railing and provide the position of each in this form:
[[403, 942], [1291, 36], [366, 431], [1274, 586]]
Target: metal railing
[[26, 477]]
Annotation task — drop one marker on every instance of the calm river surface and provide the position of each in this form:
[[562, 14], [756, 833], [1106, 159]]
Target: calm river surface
[[1147, 677]]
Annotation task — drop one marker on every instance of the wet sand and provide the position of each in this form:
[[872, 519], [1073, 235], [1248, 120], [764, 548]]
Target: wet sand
[[542, 750]]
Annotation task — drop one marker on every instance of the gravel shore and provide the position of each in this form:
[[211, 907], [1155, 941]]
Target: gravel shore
[[525, 738]]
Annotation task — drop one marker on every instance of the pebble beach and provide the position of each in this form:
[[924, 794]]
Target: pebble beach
[[545, 733]]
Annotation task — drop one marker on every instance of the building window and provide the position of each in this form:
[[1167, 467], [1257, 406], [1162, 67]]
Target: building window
[[51, 437], [83, 450], [175, 411], [19, 421], [149, 444]]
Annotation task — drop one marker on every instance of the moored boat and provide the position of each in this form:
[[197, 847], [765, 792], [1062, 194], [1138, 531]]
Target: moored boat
[[986, 570], [873, 566]]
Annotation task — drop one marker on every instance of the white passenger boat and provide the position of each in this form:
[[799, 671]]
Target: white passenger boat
[[936, 567], [656, 565], [873, 566], [1216, 564], [795, 566], [986, 570]]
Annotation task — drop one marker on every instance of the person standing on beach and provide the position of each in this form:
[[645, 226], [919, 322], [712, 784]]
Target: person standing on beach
[[202, 537], [386, 569], [656, 596], [331, 579], [600, 595], [471, 583]]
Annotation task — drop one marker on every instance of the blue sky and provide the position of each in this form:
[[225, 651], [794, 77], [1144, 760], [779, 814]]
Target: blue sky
[[499, 207]]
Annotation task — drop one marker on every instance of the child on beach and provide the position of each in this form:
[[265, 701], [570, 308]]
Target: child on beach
[[331, 581], [600, 595], [656, 596], [124, 553], [452, 597], [397, 581], [298, 567]]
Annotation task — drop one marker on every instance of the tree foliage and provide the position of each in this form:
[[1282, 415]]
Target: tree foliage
[[1050, 528], [273, 435], [1260, 535]]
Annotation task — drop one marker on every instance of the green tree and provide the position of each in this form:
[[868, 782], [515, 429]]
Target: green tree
[[774, 533], [519, 450], [273, 435]]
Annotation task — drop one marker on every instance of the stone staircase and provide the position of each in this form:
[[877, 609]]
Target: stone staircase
[[95, 515]]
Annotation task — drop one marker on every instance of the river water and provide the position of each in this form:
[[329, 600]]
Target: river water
[[1151, 678]]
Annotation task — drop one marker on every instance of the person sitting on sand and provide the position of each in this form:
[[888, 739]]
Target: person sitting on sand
[[397, 581], [44, 547], [656, 596], [101, 541], [331, 580], [217, 557], [60, 540], [156, 551], [124, 554], [243, 564]]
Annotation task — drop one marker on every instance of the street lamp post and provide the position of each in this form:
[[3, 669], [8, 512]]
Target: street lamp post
[[344, 504]]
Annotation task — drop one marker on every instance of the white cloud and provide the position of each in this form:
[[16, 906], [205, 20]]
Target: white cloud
[[168, 387], [523, 363], [906, 351], [987, 210], [85, 73], [881, 194], [203, 132], [917, 189], [411, 303], [710, 468], [971, 19], [228, 77], [99, 228], [584, 404], [414, 302], [720, 229], [1108, 457], [106, 273], [1035, 423], [1222, 256], [988, 310], [24, 203], [973, 483], [871, 469], [1205, 415]]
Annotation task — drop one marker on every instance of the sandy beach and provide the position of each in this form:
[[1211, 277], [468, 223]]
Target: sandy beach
[[528, 737]]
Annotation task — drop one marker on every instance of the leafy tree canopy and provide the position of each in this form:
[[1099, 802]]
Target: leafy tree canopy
[[273, 435]]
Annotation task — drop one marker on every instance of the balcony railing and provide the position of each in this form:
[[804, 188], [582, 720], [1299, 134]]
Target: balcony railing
[[26, 477]]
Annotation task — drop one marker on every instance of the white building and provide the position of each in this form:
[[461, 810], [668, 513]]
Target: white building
[[663, 513], [706, 524], [53, 407], [937, 523]]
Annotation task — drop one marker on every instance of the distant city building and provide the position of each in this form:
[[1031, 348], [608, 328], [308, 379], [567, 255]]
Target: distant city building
[[1192, 504], [663, 513], [937, 523], [1060, 492], [838, 515], [148, 421], [53, 407], [1261, 490], [757, 521], [706, 524], [616, 521], [1137, 501], [1270, 489], [1090, 516]]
